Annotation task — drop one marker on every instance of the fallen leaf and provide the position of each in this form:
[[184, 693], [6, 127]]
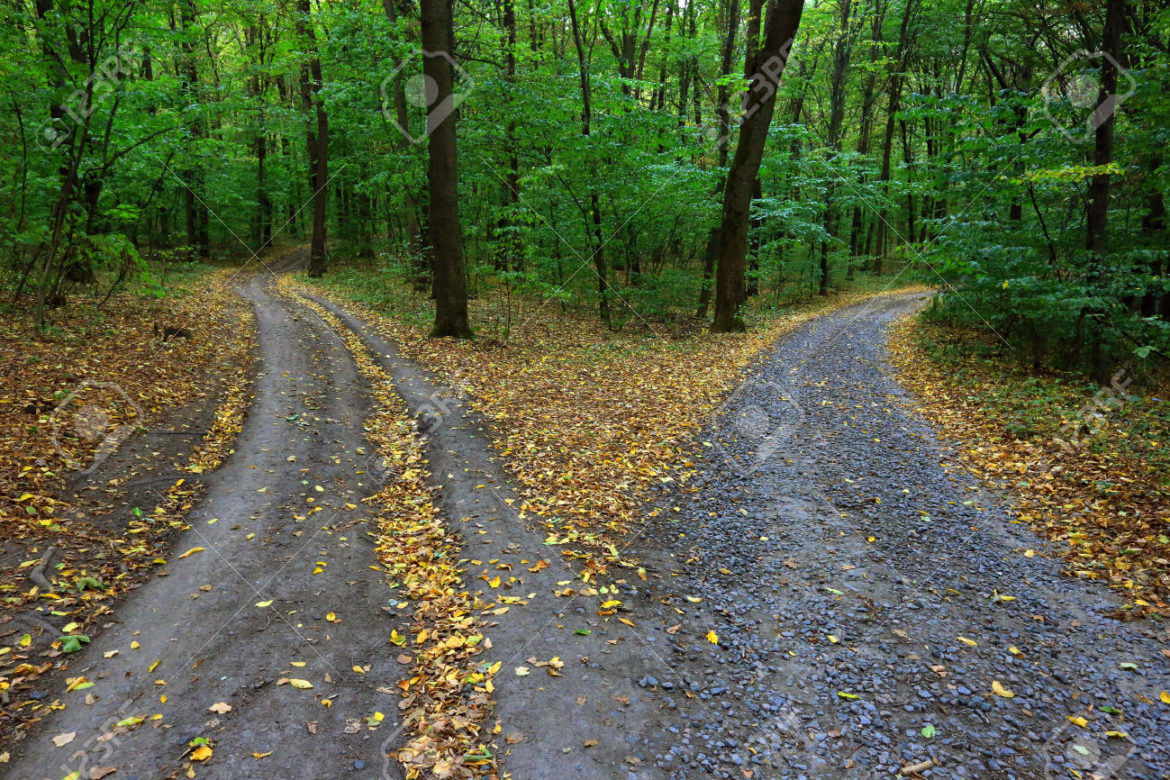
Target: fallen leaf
[[220, 708], [302, 684], [61, 740], [998, 689], [191, 552], [201, 753]]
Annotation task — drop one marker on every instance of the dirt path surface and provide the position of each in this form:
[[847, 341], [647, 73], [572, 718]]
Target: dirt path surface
[[273, 514], [861, 594], [546, 721], [823, 595]]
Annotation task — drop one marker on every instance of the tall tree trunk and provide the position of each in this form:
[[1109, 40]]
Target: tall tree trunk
[[842, 52], [783, 19], [896, 83], [450, 287], [193, 174], [316, 138], [730, 16], [594, 201], [1097, 210]]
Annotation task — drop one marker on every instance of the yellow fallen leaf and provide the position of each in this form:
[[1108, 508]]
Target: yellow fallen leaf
[[358, 669], [1014, 650], [262, 755], [967, 641], [832, 639], [331, 617], [1117, 734], [999, 690], [264, 603], [296, 663], [1078, 720], [522, 671], [495, 581], [154, 665], [302, 684], [712, 637], [422, 637], [134, 645], [190, 552], [201, 753]]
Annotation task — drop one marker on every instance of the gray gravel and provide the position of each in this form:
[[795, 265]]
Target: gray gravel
[[823, 511]]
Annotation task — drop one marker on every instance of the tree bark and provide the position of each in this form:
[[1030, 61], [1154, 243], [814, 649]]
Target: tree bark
[[316, 138], [450, 286], [783, 19]]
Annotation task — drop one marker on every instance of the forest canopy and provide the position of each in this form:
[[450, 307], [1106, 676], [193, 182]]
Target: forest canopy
[[1010, 152]]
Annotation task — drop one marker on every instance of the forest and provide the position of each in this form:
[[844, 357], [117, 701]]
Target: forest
[[584, 389], [1009, 152]]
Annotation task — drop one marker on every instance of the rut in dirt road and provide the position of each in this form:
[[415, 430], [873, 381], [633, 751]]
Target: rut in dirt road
[[868, 605], [285, 505]]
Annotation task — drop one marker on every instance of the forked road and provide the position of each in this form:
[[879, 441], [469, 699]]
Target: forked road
[[850, 582]]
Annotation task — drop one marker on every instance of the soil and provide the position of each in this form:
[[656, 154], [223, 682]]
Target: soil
[[835, 600]]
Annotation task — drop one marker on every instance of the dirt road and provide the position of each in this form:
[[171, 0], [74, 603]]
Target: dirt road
[[832, 602]]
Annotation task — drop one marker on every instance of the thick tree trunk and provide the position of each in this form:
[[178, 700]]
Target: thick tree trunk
[[783, 19], [450, 287]]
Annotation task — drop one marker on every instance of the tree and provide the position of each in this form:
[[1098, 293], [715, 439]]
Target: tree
[[450, 286], [316, 137], [780, 25]]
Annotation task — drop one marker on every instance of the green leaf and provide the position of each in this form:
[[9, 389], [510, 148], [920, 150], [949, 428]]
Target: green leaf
[[73, 642]]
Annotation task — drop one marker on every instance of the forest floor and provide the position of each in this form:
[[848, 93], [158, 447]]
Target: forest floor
[[451, 560]]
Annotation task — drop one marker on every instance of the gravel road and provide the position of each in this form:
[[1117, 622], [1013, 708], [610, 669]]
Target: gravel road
[[867, 598]]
